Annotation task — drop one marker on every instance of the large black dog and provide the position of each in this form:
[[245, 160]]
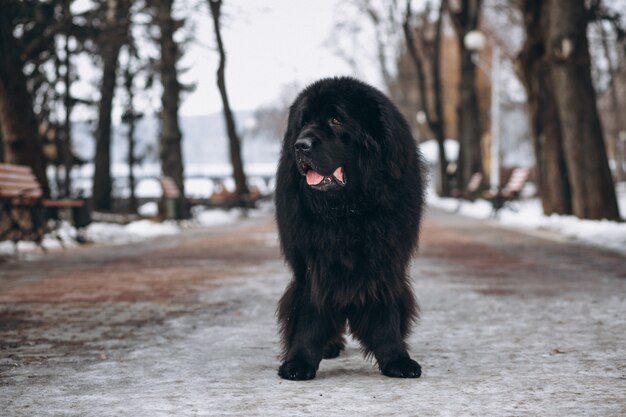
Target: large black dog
[[349, 198]]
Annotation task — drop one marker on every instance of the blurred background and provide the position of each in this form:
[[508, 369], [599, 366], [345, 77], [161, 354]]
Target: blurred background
[[104, 99], [152, 128]]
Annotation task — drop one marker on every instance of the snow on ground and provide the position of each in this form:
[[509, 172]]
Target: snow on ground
[[116, 234], [210, 218], [430, 151], [527, 214], [108, 233]]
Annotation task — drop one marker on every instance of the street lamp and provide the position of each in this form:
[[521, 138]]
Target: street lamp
[[420, 117], [475, 41], [619, 155]]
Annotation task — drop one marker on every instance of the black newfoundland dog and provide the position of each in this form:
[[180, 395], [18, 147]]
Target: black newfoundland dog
[[349, 198]]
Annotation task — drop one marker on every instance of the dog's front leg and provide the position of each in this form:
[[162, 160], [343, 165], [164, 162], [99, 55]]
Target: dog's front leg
[[310, 329]]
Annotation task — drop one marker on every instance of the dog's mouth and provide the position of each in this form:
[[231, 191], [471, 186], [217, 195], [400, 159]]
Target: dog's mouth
[[321, 182]]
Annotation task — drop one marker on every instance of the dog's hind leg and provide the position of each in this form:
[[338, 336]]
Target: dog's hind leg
[[379, 328]]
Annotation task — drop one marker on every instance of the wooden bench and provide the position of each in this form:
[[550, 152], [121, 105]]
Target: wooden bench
[[223, 198], [169, 208], [511, 190], [472, 190], [24, 209]]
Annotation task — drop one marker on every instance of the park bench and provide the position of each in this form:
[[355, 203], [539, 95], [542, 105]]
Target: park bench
[[25, 211], [223, 198], [471, 192], [511, 190], [170, 200], [170, 209]]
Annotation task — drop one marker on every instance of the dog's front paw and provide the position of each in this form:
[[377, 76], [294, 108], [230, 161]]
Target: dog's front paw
[[296, 370], [402, 368]]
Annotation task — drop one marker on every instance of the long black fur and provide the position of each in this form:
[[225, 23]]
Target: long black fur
[[349, 248]]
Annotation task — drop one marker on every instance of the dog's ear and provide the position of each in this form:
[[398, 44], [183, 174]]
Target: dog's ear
[[396, 137], [294, 120], [287, 171]]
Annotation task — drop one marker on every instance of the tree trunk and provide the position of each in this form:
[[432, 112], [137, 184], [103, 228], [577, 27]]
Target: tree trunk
[[469, 127], [368, 9], [233, 138], [171, 136], [102, 183], [551, 171], [619, 123], [593, 191], [131, 119], [464, 20], [110, 50], [17, 119], [553, 179], [68, 157], [435, 118], [1, 146], [438, 96]]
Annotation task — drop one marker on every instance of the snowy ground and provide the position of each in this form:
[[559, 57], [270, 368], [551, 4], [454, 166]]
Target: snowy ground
[[527, 215], [511, 325], [115, 234]]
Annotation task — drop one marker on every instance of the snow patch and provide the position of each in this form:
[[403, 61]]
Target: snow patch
[[149, 209], [132, 232], [210, 218], [118, 234], [430, 151], [528, 215]]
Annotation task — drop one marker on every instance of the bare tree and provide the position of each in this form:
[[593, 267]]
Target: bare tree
[[50, 36], [533, 69], [65, 151], [110, 41], [171, 136], [383, 21], [1, 146], [593, 190], [130, 117], [233, 138], [348, 41], [465, 15], [17, 118], [385, 46], [613, 65], [425, 58]]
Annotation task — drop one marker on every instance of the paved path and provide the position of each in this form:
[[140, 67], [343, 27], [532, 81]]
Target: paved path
[[511, 325]]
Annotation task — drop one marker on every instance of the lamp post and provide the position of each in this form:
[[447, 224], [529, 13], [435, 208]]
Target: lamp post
[[619, 155], [475, 41], [420, 117]]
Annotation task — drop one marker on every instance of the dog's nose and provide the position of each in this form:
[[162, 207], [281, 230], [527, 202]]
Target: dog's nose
[[303, 144]]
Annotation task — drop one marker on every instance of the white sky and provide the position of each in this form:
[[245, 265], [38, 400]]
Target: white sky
[[269, 44]]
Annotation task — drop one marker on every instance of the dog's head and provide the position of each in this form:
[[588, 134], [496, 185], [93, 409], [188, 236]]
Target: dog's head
[[323, 146], [341, 134]]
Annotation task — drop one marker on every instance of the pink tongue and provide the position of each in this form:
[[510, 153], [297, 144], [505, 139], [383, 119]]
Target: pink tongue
[[313, 178], [338, 174]]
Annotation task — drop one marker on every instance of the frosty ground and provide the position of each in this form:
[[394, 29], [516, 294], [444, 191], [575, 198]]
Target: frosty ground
[[184, 324], [527, 215]]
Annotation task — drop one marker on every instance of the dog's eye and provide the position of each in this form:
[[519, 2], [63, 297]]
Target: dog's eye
[[335, 121]]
